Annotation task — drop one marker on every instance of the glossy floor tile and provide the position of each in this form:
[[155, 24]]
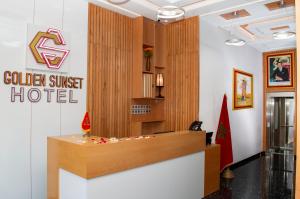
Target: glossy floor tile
[[258, 179]]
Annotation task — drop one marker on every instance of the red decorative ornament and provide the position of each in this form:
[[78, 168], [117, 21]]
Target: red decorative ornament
[[103, 140], [86, 125]]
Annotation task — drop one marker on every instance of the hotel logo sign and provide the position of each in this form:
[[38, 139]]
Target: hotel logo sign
[[43, 53], [48, 49]]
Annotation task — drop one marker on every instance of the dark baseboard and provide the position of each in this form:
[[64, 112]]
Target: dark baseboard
[[247, 160]]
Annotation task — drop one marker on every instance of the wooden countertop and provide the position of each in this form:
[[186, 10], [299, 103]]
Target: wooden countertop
[[89, 157]]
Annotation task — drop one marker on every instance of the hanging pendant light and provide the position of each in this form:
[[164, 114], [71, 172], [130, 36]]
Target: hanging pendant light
[[233, 41], [118, 2], [170, 12]]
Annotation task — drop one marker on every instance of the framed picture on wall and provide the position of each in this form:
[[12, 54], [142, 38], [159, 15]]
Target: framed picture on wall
[[280, 69], [242, 90]]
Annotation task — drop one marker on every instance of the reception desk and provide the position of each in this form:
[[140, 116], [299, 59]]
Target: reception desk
[[157, 166]]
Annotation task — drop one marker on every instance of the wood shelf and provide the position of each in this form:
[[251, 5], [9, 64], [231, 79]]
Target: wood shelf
[[147, 46], [153, 121], [148, 118], [156, 113], [145, 120], [148, 98], [148, 72]]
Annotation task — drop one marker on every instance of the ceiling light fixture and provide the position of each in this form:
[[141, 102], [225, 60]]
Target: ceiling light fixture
[[236, 14], [169, 12], [118, 2], [235, 42], [284, 35], [281, 4]]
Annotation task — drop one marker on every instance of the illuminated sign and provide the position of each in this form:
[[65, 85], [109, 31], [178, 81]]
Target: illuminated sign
[[53, 57]]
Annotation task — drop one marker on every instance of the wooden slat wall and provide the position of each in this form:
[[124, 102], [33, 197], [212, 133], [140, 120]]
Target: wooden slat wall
[[182, 74], [109, 72], [113, 75]]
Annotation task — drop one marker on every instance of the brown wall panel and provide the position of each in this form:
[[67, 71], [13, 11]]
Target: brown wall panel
[[182, 74], [115, 73], [109, 72]]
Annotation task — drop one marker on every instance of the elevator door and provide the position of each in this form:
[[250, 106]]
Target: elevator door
[[280, 128]]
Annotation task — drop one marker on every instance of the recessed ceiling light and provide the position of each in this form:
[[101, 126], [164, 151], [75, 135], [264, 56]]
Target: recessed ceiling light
[[235, 42], [284, 35], [118, 2], [170, 12]]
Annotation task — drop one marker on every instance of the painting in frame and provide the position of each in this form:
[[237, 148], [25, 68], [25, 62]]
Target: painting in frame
[[242, 90], [280, 69]]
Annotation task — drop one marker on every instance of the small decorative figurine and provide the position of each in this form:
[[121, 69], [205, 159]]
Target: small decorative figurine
[[86, 125]]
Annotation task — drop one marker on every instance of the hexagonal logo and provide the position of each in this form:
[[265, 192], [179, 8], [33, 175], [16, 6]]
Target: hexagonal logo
[[47, 48]]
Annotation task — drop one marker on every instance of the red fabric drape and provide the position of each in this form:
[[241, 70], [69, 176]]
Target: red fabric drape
[[223, 136]]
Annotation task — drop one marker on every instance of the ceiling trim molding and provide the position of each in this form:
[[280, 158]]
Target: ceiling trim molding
[[244, 27], [175, 4], [245, 30], [271, 20], [275, 18], [280, 28], [202, 4], [189, 6], [231, 8]]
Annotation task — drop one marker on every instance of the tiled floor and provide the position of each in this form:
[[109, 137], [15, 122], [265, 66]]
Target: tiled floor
[[255, 180]]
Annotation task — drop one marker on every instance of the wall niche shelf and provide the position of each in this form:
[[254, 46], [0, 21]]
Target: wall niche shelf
[[147, 110]]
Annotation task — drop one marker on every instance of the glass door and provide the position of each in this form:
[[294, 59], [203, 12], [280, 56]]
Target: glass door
[[280, 129]]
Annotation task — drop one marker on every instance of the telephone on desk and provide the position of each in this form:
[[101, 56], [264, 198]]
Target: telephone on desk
[[196, 126]]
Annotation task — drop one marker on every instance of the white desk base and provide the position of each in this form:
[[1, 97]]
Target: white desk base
[[180, 178]]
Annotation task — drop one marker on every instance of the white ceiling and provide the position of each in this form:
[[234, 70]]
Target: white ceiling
[[180, 3], [258, 33], [260, 21]]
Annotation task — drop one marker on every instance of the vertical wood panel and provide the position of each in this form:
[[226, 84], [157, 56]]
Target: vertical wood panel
[[182, 74], [109, 72], [115, 72]]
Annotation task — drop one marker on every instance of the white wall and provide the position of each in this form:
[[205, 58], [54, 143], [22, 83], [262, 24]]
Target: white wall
[[216, 78], [25, 126], [179, 178]]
